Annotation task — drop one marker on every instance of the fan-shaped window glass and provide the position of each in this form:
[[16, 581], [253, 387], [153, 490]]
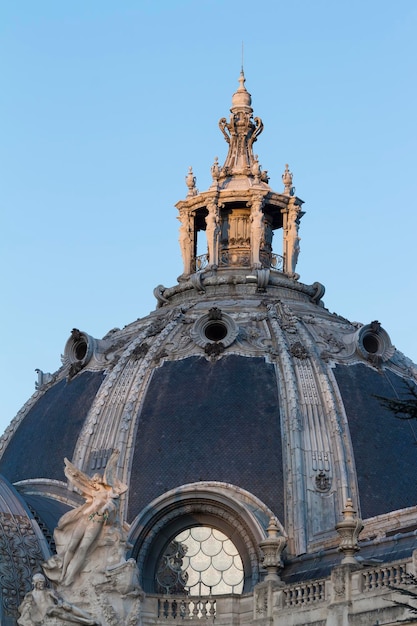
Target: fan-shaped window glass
[[200, 561]]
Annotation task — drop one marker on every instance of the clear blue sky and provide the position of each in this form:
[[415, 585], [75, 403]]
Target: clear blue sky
[[106, 104]]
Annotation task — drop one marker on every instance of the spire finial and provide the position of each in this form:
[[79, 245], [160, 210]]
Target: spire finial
[[287, 180], [190, 180], [241, 133], [349, 530], [241, 69]]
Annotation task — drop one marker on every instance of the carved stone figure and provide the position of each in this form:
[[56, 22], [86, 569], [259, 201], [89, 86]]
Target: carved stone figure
[[292, 240], [212, 233], [79, 530], [42, 603], [215, 170], [256, 169], [93, 581], [186, 243], [257, 232]]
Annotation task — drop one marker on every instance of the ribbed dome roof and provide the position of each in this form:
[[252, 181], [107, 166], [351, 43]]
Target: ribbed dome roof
[[239, 382]]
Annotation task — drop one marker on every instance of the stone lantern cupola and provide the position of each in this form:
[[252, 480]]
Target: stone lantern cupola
[[239, 212]]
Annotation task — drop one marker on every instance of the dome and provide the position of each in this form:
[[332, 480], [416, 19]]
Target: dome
[[241, 97], [238, 400]]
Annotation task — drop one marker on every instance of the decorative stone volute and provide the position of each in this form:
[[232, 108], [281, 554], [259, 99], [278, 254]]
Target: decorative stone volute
[[349, 530], [272, 548]]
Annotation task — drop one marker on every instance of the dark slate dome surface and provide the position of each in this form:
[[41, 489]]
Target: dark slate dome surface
[[385, 447], [204, 421], [50, 430]]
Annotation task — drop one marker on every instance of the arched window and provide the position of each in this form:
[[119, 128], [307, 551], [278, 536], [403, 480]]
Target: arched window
[[200, 539], [200, 561]]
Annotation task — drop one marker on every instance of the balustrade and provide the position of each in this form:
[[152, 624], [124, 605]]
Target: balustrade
[[201, 262], [384, 576], [186, 608], [303, 594]]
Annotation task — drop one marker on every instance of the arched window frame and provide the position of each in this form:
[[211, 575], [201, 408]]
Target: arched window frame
[[238, 514]]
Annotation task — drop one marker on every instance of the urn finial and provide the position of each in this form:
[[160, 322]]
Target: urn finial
[[349, 529]]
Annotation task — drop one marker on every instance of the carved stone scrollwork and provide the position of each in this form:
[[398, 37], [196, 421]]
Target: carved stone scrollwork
[[287, 319], [262, 278], [214, 349], [197, 282], [339, 583], [299, 351], [261, 602], [158, 292], [44, 379], [215, 314], [322, 482], [17, 538], [140, 351]]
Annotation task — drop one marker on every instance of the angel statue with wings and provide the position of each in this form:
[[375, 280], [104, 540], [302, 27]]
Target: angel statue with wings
[[80, 530]]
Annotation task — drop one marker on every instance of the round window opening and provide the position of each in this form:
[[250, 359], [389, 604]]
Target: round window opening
[[216, 331], [200, 561], [80, 350], [370, 343]]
